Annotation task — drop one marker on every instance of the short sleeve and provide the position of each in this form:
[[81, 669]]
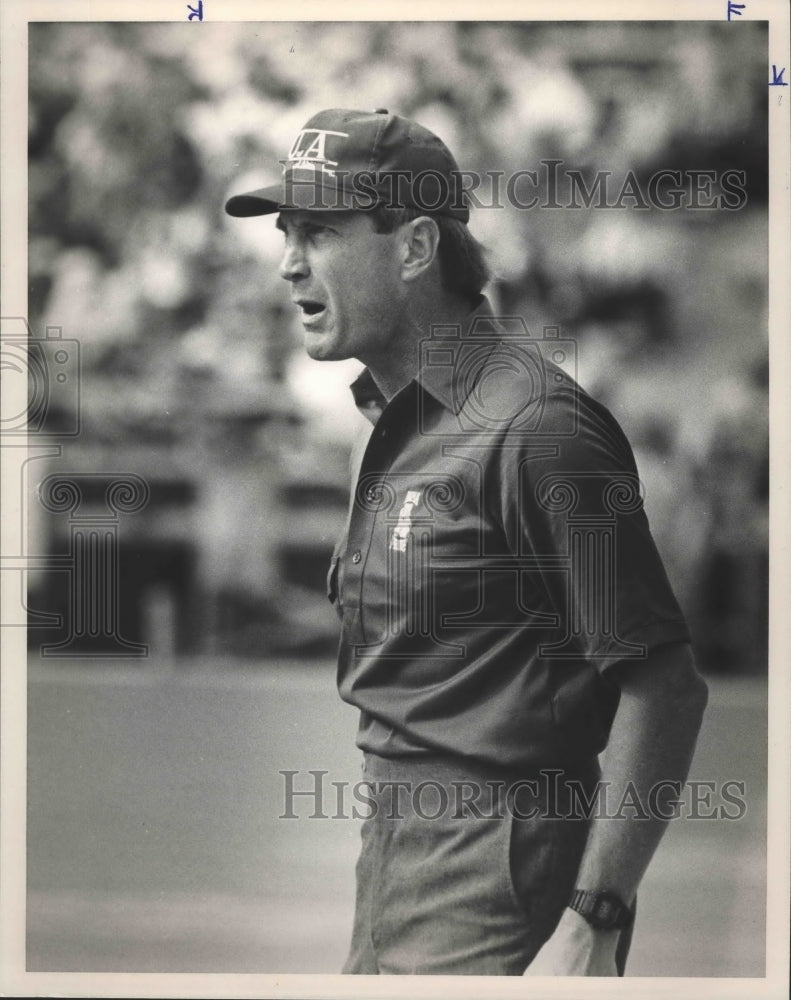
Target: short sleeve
[[572, 508]]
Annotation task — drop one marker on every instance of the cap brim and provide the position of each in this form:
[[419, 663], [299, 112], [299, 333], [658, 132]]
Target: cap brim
[[265, 201], [321, 196], [297, 196]]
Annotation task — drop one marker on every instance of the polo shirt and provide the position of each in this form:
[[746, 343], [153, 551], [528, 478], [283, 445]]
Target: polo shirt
[[497, 560]]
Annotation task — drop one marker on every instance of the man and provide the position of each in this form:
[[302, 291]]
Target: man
[[505, 614]]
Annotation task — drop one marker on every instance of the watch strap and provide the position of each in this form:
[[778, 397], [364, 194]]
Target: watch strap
[[602, 909]]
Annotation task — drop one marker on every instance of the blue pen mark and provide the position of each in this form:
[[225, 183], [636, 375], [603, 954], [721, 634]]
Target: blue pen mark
[[777, 77], [735, 8], [196, 13]]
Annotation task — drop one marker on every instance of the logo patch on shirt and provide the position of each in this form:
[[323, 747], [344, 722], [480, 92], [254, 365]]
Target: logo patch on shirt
[[401, 532]]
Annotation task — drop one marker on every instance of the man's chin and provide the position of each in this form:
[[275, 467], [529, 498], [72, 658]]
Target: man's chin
[[320, 349]]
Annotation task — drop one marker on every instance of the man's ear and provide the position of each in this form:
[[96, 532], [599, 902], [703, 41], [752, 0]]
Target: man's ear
[[419, 247]]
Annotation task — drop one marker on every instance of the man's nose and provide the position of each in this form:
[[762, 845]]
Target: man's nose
[[293, 264]]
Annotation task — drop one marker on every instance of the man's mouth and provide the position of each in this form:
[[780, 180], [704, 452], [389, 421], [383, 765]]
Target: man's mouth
[[310, 307]]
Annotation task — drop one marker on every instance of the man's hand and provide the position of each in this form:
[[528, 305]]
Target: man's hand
[[576, 949], [652, 739]]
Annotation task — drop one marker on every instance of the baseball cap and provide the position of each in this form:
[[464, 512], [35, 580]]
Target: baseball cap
[[345, 159]]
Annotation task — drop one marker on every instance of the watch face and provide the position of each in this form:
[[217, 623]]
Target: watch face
[[605, 913]]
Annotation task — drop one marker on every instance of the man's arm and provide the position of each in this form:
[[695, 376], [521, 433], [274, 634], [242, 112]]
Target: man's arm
[[652, 740]]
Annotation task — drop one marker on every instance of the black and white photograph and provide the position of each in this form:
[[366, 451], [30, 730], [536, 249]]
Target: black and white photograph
[[395, 521]]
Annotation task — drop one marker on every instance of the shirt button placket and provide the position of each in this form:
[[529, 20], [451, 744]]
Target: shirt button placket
[[361, 530]]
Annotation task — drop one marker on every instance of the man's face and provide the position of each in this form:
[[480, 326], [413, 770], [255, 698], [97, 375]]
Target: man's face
[[346, 280]]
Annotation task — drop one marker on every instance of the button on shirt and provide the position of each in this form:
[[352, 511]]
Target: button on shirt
[[497, 559]]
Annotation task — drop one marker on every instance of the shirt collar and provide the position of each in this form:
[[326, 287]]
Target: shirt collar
[[442, 369]]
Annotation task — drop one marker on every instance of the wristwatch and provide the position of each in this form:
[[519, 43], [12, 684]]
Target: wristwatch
[[603, 910]]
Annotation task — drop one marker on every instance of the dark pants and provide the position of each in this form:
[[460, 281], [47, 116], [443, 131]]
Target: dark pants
[[463, 870]]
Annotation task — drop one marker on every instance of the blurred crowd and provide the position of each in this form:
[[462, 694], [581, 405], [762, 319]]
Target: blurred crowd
[[191, 371]]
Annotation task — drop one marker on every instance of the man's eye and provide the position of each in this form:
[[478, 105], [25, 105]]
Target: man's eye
[[309, 231]]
